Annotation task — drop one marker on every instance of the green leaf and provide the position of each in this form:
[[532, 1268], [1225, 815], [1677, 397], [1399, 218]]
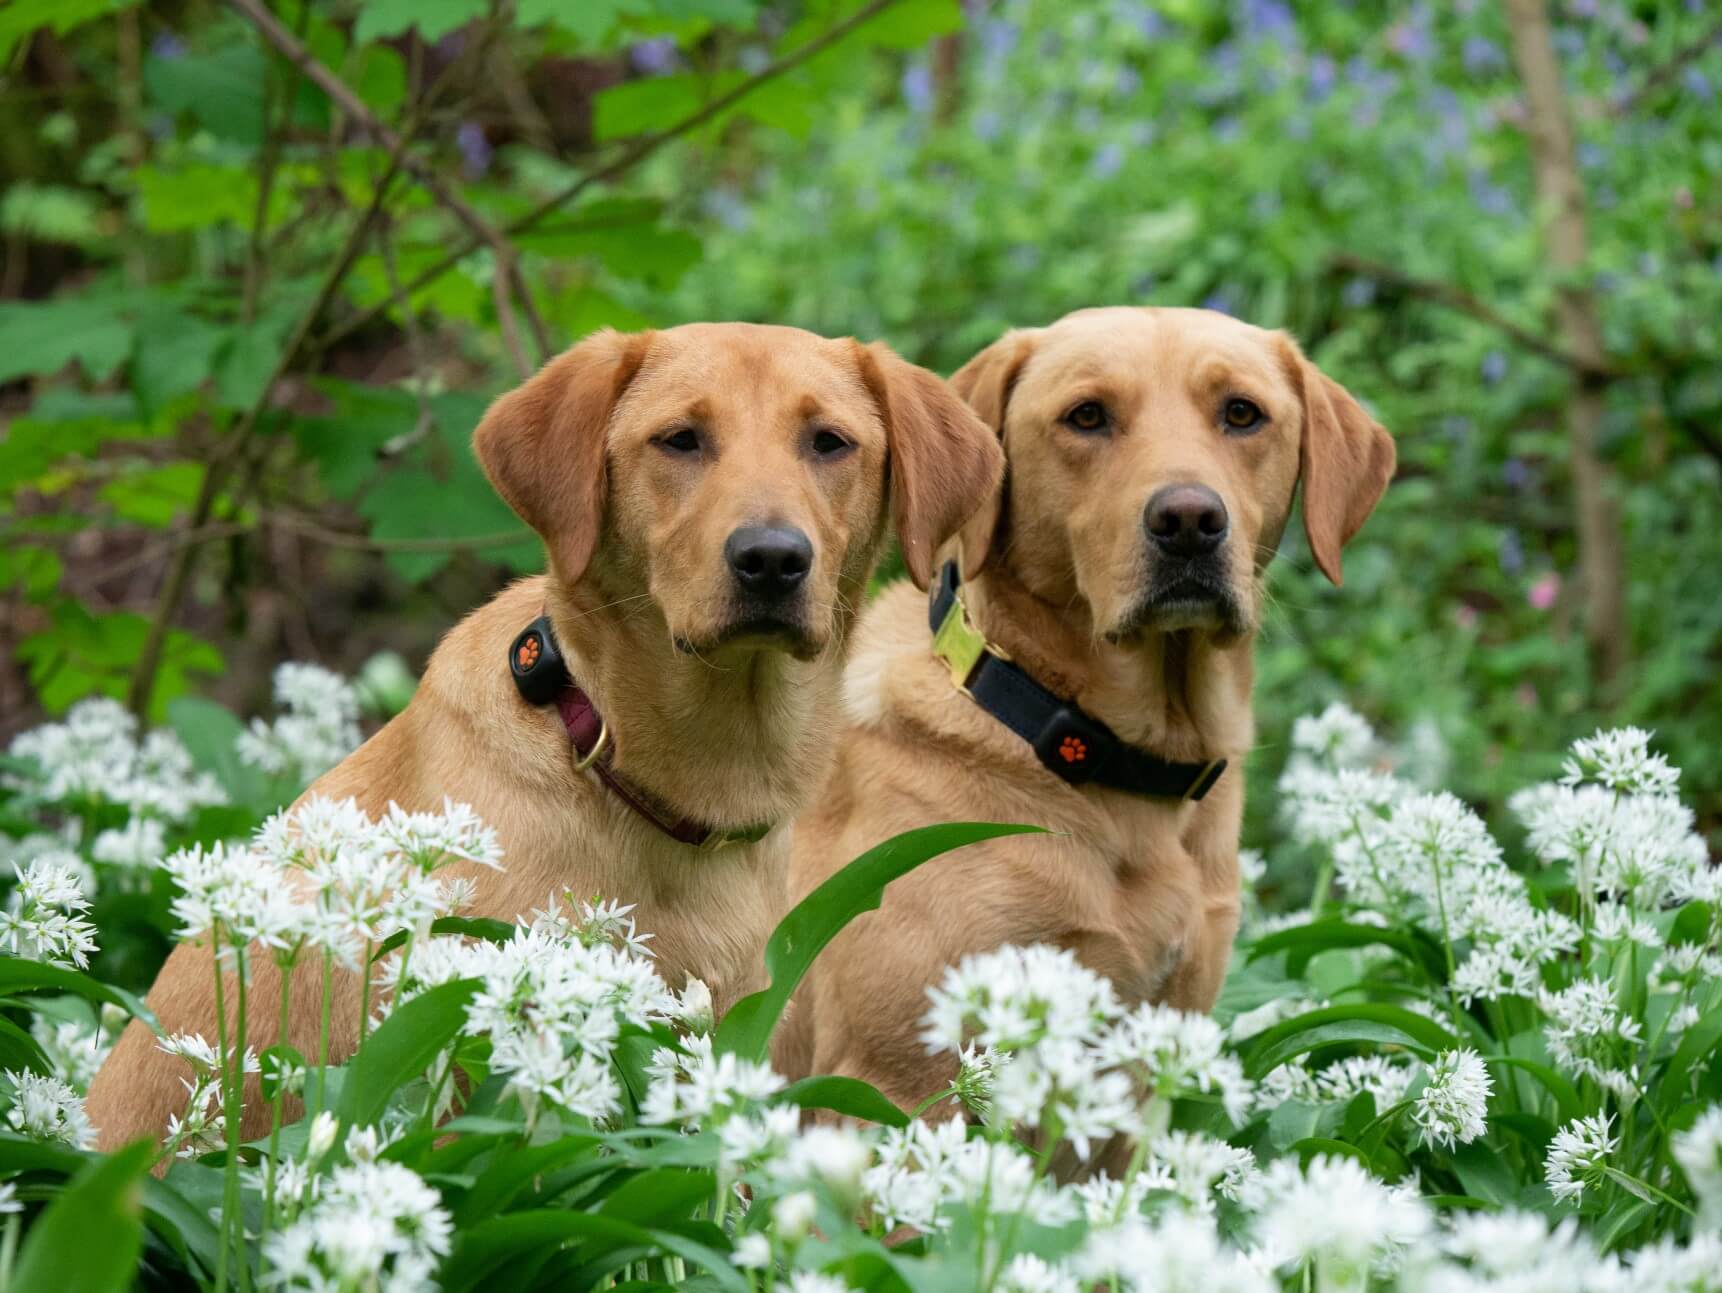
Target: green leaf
[[401, 1049], [804, 932], [19, 975], [154, 496], [20, 1051], [1302, 942], [509, 1172], [88, 1238], [42, 337], [491, 931], [654, 103], [1555, 1083], [221, 90], [1484, 1175], [22, 17], [174, 356], [659, 1196], [848, 1096], [1339, 1025], [196, 195], [1695, 1045], [482, 1248], [51, 213], [208, 731], [433, 18]]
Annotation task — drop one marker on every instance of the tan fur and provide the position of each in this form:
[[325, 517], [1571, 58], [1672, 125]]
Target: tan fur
[[1144, 890], [728, 730]]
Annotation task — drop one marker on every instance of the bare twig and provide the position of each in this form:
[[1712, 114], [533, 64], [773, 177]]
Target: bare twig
[[1456, 298], [1664, 73], [483, 232], [629, 158]]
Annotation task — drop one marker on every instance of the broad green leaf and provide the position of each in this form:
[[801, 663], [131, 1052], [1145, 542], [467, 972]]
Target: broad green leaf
[[1555, 1083], [433, 18], [1696, 1044], [659, 1196], [654, 103], [511, 1170], [1340, 1025], [845, 1095], [401, 1049], [196, 195], [175, 354], [491, 931], [154, 496], [22, 17], [816, 919], [42, 337], [1484, 1174], [482, 1248], [1302, 942], [19, 975], [51, 213], [88, 1238], [208, 731], [20, 1051], [221, 89]]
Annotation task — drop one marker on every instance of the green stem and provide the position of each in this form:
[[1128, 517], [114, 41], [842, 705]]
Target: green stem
[[279, 1100], [323, 1027], [228, 1122], [365, 994], [1633, 1183], [8, 1250]]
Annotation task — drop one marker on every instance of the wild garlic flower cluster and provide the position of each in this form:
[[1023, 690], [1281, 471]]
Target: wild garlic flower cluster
[[44, 916], [95, 756], [1067, 1055], [47, 1108], [325, 876], [373, 1225], [319, 725], [554, 1000]]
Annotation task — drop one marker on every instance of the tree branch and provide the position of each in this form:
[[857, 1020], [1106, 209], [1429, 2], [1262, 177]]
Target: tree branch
[[483, 232], [1659, 77], [1456, 298], [625, 162]]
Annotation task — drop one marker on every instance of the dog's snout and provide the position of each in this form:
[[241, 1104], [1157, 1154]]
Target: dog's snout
[[1186, 520], [769, 560]]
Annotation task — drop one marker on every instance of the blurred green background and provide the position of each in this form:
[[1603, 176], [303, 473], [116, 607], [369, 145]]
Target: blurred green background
[[265, 261]]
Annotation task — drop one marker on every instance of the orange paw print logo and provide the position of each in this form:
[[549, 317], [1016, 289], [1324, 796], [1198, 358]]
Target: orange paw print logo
[[1072, 749], [529, 651]]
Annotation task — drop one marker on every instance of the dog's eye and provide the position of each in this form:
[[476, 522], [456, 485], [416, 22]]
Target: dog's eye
[[1242, 415], [681, 440], [827, 442], [1090, 415]]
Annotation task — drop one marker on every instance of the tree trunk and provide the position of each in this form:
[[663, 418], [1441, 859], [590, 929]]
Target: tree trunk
[[1560, 197]]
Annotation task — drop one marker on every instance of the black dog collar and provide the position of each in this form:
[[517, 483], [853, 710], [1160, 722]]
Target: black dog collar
[[1071, 743]]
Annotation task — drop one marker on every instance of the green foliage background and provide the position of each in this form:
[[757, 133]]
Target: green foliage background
[[242, 348]]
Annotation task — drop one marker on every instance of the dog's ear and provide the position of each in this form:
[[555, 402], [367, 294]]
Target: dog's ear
[[542, 444], [986, 382], [1345, 461], [944, 461]]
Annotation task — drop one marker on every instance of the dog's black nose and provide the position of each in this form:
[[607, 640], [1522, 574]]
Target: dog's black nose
[[1186, 520], [769, 560]]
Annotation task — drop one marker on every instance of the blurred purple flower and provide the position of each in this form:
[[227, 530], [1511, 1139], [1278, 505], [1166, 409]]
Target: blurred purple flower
[[1358, 293], [1411, 37], [1482, 56], [1511, 552], [1267, 18], [1493, 367], [1569, 42], [998, 37], [655, 57], [1107, 161], [1322, 74], [1591, 156], [728, 208], [1129, 81], [988, 125], [1698, 85], [1584, 8], [1491, 198], [1025, 257], [475, 150], [167, 47], [1516, 474], [1144, 17], [1222, 298], [918, 86]]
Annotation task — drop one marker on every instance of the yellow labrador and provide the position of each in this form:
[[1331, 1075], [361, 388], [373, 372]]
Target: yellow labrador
[[711, 498], [1086, 667]]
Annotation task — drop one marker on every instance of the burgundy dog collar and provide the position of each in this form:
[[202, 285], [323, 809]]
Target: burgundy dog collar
[[542, 676]]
